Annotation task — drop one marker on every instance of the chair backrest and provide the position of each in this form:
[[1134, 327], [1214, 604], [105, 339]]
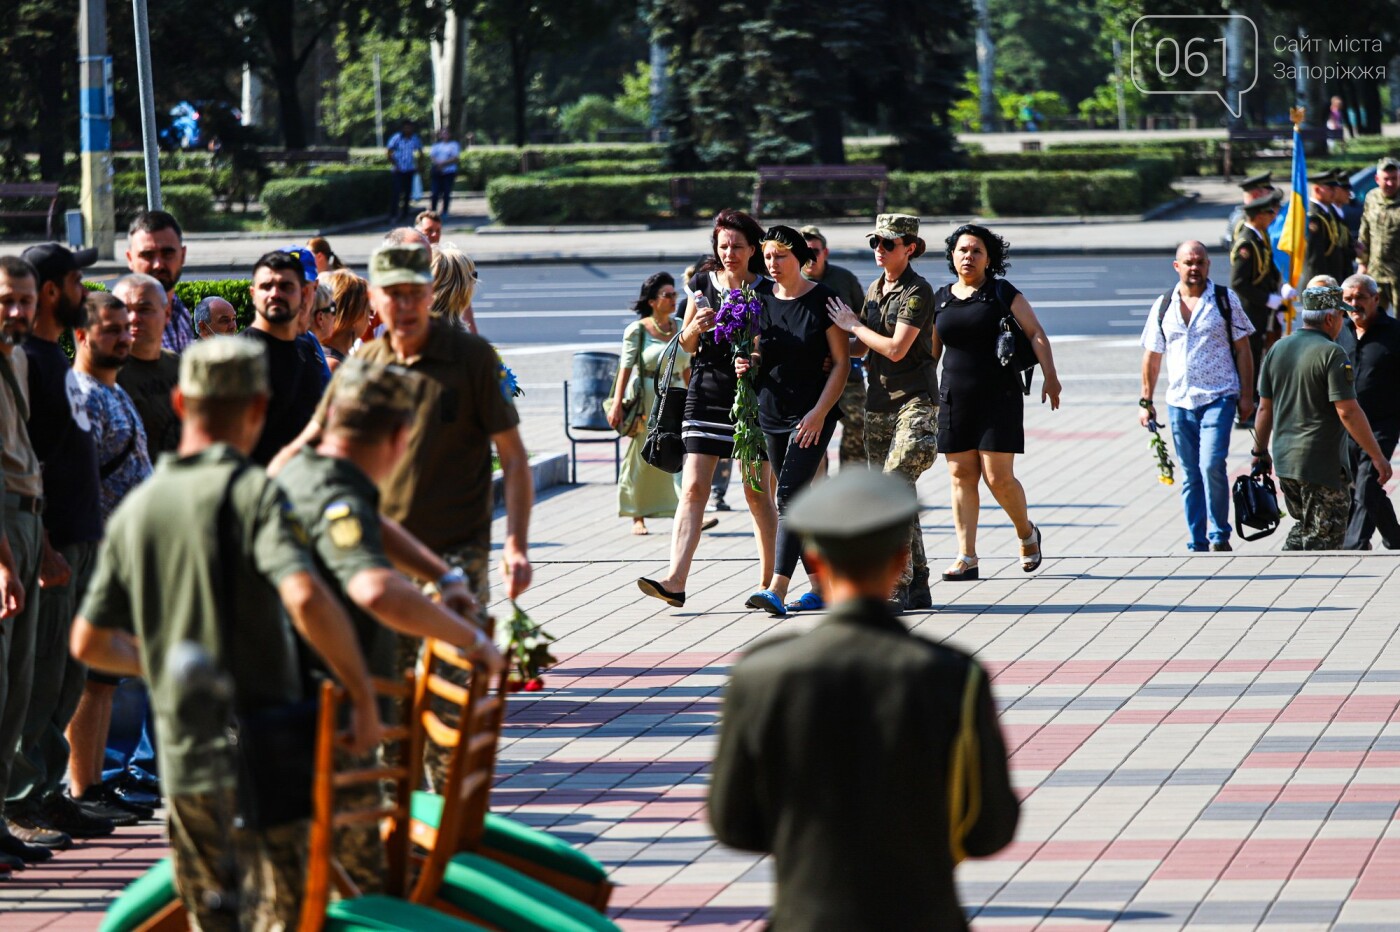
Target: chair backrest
[[470, 741], [323, 869], [591, 382]]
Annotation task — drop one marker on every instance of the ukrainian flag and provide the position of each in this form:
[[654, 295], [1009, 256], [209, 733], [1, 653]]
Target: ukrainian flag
[[1293, 235]]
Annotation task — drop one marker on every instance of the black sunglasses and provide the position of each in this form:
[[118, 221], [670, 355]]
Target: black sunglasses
[[884, 243]]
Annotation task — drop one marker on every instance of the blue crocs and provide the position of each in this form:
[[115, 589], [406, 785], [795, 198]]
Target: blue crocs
[[767, 600], [810, 602]]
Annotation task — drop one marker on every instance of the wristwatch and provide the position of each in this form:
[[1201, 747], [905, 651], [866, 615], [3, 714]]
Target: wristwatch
[[453, 576]]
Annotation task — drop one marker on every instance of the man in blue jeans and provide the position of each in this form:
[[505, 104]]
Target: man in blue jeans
[[1208, 359]]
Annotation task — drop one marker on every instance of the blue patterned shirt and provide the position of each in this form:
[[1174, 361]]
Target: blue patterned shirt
[[114, 425]]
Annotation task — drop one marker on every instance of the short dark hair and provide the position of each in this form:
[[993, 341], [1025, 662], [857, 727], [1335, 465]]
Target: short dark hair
[[650, 289], [18, 267], [998, 249], [279, 261], [219, 416], [153, 221], [427, 215], [745, 226], [94, 304]]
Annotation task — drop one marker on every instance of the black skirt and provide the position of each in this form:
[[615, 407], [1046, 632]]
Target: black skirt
[[990, 420]]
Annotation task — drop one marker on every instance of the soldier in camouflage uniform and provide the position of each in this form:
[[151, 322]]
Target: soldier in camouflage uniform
[[1307, 405], [1380, 233], [852, 403], [901, 410], [163, 589], [333, 494]]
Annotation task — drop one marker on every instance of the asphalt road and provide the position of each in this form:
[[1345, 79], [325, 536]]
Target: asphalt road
[[571, 304], [568, 304]]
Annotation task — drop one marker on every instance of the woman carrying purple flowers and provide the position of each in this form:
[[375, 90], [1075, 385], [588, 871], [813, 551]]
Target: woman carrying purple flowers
[[797, 395], [708, 428]]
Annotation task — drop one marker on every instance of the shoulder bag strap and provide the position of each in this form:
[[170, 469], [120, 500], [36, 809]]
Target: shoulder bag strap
[[661, 379]]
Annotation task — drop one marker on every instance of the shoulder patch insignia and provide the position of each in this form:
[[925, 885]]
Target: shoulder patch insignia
[[914, 302], [345, 532], [336, 510], [1350, 373]]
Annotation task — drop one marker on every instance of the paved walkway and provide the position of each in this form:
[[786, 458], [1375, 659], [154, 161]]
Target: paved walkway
[[1203, 741]]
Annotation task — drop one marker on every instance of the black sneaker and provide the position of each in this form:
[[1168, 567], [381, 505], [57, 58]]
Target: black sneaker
[[98, 805], [61, 812], [127, 791], [12, 847], [34, 832], [1222, 547]]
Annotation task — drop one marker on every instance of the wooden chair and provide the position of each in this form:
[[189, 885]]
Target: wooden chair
[[355, 912], [457, 874]]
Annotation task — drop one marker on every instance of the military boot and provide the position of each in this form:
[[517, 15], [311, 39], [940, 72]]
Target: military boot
[[918, 595]]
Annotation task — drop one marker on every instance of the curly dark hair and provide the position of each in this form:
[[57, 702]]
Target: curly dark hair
[[650, 289], [998, 249], [745, 226]]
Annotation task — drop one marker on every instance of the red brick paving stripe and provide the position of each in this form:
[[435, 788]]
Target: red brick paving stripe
[[1335, 859], [1129, 672], [1050, 746], [1266, 859], [1198, 859], [1377, 881]]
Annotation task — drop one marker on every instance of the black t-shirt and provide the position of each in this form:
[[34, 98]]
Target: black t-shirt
[[968, 328], [298, 380], [61, 434], [1377, 362], [148, 382], [794, 348]]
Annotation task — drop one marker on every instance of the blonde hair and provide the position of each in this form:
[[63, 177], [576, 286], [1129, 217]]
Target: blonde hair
[[454, 283], [351, 295]]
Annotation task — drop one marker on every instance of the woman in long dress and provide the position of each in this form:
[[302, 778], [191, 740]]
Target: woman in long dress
[[644, 491]]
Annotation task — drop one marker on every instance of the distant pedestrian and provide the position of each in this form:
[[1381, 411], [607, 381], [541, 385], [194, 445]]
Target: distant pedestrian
[[849, 289], [1207, 361], [1372, 340], [866, 759], [980, 419], [402, 150], [326, 259], [1380, 233], [445, 154], [1307, 405]]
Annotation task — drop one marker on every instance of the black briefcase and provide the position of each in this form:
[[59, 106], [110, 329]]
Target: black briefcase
[[1256, 505]]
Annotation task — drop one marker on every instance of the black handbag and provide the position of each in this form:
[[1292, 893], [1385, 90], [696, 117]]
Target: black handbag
[[1256, 505], [273, 745], [663, 448], [1014, 350]]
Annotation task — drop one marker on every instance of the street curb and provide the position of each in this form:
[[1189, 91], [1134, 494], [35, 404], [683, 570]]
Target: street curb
[[548, 470]]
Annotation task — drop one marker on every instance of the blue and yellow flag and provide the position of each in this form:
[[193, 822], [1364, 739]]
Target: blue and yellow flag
[[1293, 236]]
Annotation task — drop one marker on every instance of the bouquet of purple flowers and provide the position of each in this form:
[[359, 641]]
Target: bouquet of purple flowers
[[737, 323]]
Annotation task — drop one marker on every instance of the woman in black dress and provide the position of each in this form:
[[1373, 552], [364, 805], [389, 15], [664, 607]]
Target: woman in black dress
[[708, 430], [797, 391], [980, 427]]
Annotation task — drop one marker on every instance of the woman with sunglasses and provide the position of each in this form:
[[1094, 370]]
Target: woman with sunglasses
[[797, 396], [901, 402], [349, 311], [454, 286], [643, 491], [708, 429], [980, 417]]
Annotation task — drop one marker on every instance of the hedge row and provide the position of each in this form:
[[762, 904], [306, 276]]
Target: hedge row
[[535, 201], [192, 204], [480, 164], [327, 197]]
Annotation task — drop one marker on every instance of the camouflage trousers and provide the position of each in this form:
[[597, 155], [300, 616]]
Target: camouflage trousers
[[853, 421], [476, 563], [1320, 512], [905, 443], [1390, 296], [235, 879], [360, 848]]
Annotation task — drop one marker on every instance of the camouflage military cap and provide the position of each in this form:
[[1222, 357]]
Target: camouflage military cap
[[812, 232], [1387, 164], [224, 367], [1324, 299], [896, 225], [1265, 180], [854, 503], [368, 395], [400, 265]]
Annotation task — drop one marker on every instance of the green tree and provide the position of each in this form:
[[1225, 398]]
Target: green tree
[[405, 77]]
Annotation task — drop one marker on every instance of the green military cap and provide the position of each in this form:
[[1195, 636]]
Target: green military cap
[[1324, 298], [1277, 195], [1256, 204], [855, 510], [1387, 164], [1265, 180], [812, 232], [224, 367], [409, 264], [1323, 177], [894, 226], [366, 395]]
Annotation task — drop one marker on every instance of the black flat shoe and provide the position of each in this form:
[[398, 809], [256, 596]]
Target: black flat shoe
[[654, 589]]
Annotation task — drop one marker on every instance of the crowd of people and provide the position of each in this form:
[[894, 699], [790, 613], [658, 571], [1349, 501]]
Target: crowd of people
[[183, 496]]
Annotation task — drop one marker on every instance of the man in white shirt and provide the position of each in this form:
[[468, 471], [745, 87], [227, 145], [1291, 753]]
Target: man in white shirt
[[1208, 359]]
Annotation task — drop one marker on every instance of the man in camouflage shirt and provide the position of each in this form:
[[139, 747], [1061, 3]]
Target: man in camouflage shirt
[[1380, 233]]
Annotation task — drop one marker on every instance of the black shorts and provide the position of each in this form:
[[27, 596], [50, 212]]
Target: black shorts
[[991, 420]]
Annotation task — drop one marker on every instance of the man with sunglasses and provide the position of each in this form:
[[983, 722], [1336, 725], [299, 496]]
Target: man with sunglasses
[[1253, 276]]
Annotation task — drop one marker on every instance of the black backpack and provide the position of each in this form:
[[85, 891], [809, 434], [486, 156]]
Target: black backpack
[[1256, 505]]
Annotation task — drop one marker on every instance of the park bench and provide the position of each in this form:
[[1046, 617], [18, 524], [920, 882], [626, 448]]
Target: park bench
[[1277, 134], [31, 191], [822, 176]]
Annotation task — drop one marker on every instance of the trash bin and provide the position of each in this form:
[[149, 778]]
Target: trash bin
[[591, 383]]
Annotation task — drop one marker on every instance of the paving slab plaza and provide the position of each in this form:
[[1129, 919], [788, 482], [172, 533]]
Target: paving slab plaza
[[1202, 741]]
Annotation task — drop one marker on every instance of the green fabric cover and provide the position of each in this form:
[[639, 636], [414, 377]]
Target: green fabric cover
[[513, 902], [378, 913], [524, 841], [142, 898]]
